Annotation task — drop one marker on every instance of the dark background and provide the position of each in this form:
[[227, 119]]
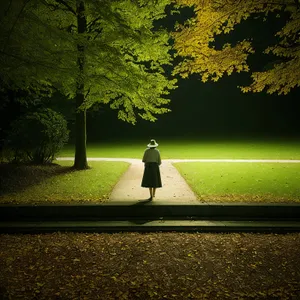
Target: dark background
[[210, 110], [216, 109]]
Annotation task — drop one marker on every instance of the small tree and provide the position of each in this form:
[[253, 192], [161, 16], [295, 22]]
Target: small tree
[[37, 137]]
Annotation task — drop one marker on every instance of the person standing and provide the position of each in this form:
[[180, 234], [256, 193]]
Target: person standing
[[152, 161]]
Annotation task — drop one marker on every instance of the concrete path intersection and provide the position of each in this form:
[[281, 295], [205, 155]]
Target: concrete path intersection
[[175, 190]]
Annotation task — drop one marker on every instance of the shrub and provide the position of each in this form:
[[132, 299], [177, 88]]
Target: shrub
[[37, 137]]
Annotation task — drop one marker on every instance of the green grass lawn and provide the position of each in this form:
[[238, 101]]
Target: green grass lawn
[[59, 183], [243, 182], [221, 182], [185, 149]]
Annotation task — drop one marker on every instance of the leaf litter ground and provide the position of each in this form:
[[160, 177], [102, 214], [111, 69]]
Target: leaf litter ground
[[150, 266]]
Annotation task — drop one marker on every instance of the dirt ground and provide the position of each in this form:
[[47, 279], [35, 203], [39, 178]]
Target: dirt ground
[[150, 266]]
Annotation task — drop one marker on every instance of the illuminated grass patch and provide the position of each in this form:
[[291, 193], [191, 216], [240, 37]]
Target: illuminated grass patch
[[60, 183], [243, 182], [193, 149]]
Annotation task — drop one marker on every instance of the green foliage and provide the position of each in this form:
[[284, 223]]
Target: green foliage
[[194, 41], [38, 136], [90, 51], [122, 55]]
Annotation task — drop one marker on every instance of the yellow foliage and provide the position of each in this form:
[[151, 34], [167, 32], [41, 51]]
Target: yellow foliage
[[194, 42]]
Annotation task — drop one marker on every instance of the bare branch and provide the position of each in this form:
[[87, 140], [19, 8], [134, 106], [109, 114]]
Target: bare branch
[[88, 92], [90, 24], [97, 33]]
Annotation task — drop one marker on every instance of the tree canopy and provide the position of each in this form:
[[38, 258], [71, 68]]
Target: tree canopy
[[123, 54], [91, 51], [194, 41]]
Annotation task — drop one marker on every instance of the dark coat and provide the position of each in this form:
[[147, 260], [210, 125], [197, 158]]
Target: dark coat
[[151, 176]]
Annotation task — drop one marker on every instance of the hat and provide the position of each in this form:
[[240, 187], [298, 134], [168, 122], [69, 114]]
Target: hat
[[152, 144]]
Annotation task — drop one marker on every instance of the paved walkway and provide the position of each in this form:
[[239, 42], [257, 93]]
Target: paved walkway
[[174, 189], [174, 186], [132, 160]]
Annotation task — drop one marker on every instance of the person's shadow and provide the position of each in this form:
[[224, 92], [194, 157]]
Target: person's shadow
[[142, 202]]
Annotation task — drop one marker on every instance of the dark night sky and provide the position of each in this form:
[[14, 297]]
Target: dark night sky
[[216, 109]]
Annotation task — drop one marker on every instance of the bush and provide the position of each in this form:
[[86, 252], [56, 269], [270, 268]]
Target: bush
[[37, 137]]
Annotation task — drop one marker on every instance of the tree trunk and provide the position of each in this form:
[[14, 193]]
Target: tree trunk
[[80, 162]]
